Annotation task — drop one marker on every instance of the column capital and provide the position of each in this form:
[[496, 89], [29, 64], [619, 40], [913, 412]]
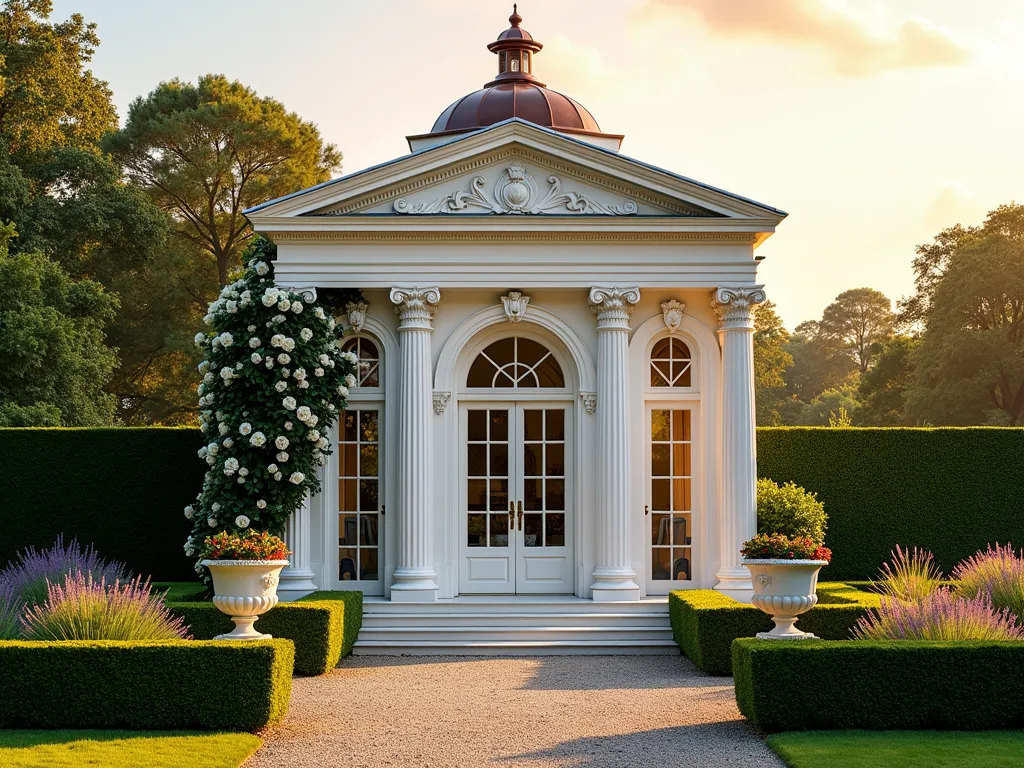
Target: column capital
[[415, 306], [613, 306], [735, 306]]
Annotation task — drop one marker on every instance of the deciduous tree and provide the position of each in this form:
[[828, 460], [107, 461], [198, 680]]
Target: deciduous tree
[[771, 360], [862, 319], [883, 387]]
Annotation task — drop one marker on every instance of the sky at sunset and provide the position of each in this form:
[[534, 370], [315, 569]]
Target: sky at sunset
[[874, 123]]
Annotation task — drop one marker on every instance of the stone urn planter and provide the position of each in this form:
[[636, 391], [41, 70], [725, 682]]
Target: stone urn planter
[[244, 590], [784, 589]]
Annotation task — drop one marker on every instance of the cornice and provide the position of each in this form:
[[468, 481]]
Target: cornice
[[505, 154], [728, 238]]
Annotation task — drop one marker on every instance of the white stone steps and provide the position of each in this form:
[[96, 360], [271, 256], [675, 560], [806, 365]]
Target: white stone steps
[[491, 634], [516, 648], [447, 619]]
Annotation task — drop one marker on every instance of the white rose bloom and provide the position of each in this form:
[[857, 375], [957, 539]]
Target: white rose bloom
[[322, 443], [278, 475], [230, 466], [284, 359], [289, 403], [211, 460], [228, 442], [318, 371], [350, 380], [226, 339], [285, 372], [215, 342], [238, 365], [242, 521], [324, 359], [223, 429], [319, 312], [343, 390], [245, 428], [254, 342], [212, 522], [204, 366], [303, 413], [282, 456], [288, 425], [312, 420], [313, 435], [300, 374], [256, 358], [303, 385], [203, 452], [231, 307], [190, 512], [331, 324], [269, 298], [227, 372], [277, 340], [200, 339], [349, 357], [213, 449], [208, 319], [296, 478], [269, 362], [288, 344], [296, 307], [257, 439], [281, 443], [251, 328], [261, 268], [261, 504], [281, 386], [305, 334], [284, 305], [241, 480], [272, 468], [278, 319], [209, 378], [243, 471]]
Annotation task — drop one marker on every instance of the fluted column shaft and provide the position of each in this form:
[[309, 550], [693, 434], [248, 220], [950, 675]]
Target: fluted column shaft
[[414, 577], [738, 518], [297, 579], [614, 577]]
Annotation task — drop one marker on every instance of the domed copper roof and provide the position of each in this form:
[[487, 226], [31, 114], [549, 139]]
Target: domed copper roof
[[516, 93]]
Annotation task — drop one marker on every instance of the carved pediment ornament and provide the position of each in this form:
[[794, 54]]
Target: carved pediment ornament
[[356, 314], [672, 312], [515, 306], [517, 192]]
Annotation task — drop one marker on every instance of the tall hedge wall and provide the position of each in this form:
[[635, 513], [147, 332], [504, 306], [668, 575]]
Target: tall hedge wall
[[122, 489], [951, 491]]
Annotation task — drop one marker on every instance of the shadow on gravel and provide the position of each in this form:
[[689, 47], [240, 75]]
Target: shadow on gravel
[[562, 673], [734, 744]]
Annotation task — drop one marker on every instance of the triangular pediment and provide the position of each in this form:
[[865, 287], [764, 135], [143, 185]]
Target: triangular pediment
[[514, 169]]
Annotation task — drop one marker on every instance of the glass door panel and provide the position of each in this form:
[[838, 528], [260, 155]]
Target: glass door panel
[[359, 503], [670, 496]]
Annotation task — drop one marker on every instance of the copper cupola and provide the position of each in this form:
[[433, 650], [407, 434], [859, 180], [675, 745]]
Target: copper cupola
[[515, 93]]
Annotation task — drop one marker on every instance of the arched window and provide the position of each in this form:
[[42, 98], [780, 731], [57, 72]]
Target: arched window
[[515, 363], [368, 374], [671, 364]]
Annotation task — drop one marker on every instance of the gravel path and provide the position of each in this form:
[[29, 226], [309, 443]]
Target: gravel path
[[559, 711]]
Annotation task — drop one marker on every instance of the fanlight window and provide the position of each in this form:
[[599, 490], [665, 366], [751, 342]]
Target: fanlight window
[[368, 373], [670, 364], [515, 363]]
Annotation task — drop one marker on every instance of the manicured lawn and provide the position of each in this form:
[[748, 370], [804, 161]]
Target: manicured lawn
[[180, 591], [124, 749], [900, 749]]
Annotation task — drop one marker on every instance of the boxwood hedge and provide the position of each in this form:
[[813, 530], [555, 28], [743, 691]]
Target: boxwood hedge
[[705, 622], [177, 684], [798, 685], [322, 626], [951, 491]]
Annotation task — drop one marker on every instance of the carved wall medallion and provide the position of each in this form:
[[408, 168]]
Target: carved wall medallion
[[356, 314], [589, 400], [672, 312], [441, 400], [515, 306], [516, 192]]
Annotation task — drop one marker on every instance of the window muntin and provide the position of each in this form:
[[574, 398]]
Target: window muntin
[[487, 478], [368, 371], [671, 495], [671, 364], [359, 494], [515, 363]]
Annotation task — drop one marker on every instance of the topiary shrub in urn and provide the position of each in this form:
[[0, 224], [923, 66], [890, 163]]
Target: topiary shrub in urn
[[274, 382], [784, 573], [246, 569]]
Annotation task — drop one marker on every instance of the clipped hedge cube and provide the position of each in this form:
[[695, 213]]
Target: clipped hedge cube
[[151, 685], [786, 685]]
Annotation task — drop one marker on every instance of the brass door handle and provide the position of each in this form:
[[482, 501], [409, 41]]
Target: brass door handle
[[647, 510], [511, 515], [519, 504]]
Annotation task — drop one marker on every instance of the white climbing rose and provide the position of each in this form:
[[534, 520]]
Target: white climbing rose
[[296, 478], [281, 442], [289, 403], [257, 439], [242, 521]]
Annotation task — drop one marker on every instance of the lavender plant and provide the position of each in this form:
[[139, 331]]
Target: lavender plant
[[11, 607], [29, 577], [912, 575], [938, 615], [83, 608], [998, 573]]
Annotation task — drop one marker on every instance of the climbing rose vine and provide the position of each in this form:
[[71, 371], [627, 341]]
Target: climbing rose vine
[[274, 380]]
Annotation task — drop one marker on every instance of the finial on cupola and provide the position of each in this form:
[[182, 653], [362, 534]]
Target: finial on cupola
[[515, 19]]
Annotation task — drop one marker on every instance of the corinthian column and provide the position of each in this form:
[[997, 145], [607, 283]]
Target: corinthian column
[[414, 571], [738, 515], [614, 578]]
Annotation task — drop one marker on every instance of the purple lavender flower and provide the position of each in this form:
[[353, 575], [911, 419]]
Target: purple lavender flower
[[998, 573], [82, 608], [938, 615], [10, 611], [35, 570], [912, 575]]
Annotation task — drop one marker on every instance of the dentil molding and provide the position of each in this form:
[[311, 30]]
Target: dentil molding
[[735, 306], [441, 400], [515, 306], [517, 192], [672, 314]]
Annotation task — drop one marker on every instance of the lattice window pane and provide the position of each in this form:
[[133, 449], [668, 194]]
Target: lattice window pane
[[671, 364], [515, 363]]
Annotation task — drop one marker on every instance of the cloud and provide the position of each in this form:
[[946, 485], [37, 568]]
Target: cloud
[[955, 203], [855, 45]]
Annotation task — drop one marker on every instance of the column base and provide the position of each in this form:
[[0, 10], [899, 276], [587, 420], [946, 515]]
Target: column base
[[414, 585], [736, 584], [614, 585], [296, 583]]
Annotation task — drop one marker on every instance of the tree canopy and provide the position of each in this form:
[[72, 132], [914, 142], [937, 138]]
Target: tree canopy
[[771, 360], [862, 320], [207, 151]]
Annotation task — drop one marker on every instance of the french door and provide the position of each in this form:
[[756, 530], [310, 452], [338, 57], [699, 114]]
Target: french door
[[516, 503]]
